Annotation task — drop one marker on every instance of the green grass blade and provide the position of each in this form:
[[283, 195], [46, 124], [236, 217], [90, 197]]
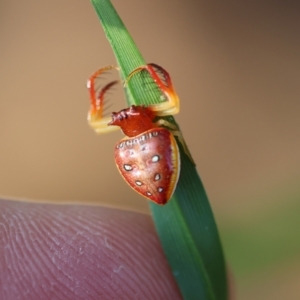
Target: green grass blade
[[185, 225]]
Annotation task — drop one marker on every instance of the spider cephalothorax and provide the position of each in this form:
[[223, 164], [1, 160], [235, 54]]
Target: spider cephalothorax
[[133, 120]]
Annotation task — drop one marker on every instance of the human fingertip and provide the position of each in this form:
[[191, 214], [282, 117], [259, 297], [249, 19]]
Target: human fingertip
[[80, 252]]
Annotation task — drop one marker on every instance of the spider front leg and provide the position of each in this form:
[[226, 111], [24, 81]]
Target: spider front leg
[[166, 108], [95, 114], [169, 107]]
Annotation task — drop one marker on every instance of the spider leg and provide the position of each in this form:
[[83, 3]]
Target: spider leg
[[95, 114], [166, 108], [176, 132]]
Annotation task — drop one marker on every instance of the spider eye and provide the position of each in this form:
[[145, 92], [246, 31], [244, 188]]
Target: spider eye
[[114, 116], [133, 108]]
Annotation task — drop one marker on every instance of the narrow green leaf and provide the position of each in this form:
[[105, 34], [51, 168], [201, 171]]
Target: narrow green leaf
[[185, 225]]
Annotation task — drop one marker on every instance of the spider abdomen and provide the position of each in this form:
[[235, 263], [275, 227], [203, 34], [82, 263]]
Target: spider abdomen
[[150, 163]]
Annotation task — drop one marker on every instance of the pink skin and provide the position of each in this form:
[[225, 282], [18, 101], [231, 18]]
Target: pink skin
[[67, 252]]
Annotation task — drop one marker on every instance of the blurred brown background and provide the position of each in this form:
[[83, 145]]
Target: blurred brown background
[[236, 68]]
